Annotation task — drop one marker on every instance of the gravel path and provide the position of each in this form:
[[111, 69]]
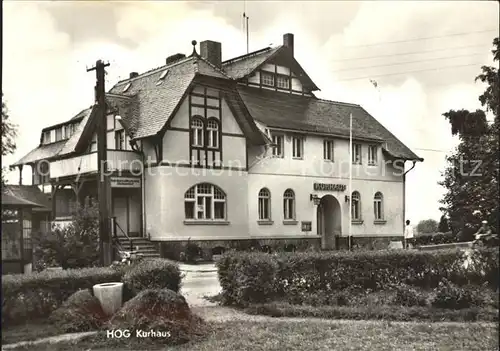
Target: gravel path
[[50, 340]]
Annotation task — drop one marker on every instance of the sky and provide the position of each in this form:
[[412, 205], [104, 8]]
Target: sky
[[423, 56]]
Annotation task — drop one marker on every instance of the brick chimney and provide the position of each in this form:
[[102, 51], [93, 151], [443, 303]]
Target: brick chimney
[[288, 41], [133, 75], [211, 51]]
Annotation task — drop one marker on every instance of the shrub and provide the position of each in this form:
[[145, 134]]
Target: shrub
[[192, 252], [72, 246], [28, 296], [159, 310], [258, 277], [451, 296], [81, 312], [155, 273], [247, 277], [409, 296]]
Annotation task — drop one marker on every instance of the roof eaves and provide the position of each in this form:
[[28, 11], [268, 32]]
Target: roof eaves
[[242, 57]]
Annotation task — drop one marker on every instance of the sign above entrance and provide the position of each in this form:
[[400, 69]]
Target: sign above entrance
[[125, 182], [329, 187]]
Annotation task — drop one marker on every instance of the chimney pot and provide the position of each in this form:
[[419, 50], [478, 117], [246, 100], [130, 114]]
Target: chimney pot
[[133, 75], [288, 41], [212, 52]]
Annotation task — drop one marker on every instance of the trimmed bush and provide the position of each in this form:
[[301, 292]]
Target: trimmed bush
[[257, 277], [409, 296], [155, 273], [28, 296], [247, 277], [81, 312], [451, 296], [160, 310]]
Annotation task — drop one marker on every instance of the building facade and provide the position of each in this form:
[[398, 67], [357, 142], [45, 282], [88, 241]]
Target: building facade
[[230, 154]]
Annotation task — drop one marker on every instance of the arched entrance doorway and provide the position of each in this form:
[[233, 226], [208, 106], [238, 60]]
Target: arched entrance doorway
[[329, 221]]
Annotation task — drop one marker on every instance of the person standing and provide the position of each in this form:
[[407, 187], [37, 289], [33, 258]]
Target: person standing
[[408, 235]]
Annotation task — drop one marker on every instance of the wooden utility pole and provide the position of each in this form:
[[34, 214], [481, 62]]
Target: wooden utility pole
[[103, 181]]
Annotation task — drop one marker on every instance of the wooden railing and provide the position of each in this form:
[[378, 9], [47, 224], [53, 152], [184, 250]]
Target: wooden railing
[[118, 160]]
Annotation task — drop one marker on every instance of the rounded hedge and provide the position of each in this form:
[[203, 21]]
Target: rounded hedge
[[155, 273]]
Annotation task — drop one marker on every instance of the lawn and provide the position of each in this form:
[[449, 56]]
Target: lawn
[[318, 335], [30, 331]]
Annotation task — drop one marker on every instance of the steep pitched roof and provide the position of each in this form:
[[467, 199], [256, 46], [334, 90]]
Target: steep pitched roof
[[31, 194], [58, 148], [309, 114], [242, 66], [13, 201], [154, 102]]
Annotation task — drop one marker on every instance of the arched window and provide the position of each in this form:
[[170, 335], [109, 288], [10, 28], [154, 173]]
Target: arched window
[[213, 133], [378, 206], [289, 204], [264, 204], [205, 202], [355, 206], [197, 132]]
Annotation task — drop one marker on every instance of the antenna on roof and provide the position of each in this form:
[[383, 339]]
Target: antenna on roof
[[245, 21]]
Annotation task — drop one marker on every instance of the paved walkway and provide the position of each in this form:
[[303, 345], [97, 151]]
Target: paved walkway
[[204, 267]]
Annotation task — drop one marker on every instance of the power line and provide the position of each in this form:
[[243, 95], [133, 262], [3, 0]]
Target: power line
[[407, 53], [422, 38], [406, 62], [432, 150], [402, 73]]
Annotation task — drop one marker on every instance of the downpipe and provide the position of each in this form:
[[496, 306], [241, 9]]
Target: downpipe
[[404, 200]]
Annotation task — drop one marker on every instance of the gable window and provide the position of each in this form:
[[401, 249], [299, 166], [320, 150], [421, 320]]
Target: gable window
[[355, 206], [46, 137], [205, 202], [356, 154], [58, 134], [120, 139], [372, 155], [197, 132], [298, 147], [93, 144], [279, 145], [267, 78], [283, 82], [69, 131], [378, 207], [264, 205], [213, 133], [328, 153], [289, 205]]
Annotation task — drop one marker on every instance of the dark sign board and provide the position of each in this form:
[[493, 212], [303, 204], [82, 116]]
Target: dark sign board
[[329, 187], [306, 226]]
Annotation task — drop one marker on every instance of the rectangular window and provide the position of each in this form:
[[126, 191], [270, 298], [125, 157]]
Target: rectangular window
[[328, 150], [219, 210], [267, 78], [283, 82], [356, 154], [278, 149], [264, 210], [372, 155], [189, 209], [58, 134], [378, 209], [298, 147], [46, 137], [120, 140], [93, 144]]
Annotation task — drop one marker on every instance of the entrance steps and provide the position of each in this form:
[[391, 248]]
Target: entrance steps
[[142, 245]]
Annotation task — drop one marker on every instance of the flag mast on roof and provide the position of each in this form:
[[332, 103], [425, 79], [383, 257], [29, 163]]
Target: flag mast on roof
[[350, 179], [245, 22]]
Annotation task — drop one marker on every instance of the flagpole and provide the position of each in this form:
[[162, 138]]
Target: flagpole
[[350, 179]]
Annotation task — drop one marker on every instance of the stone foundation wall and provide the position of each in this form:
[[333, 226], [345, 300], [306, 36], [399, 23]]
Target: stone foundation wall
[[173, 249]]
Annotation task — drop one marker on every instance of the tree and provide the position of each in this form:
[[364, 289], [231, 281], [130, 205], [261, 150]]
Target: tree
[[9, 133], [471, 176], [427, 226], [443, 226], [73, 246]]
